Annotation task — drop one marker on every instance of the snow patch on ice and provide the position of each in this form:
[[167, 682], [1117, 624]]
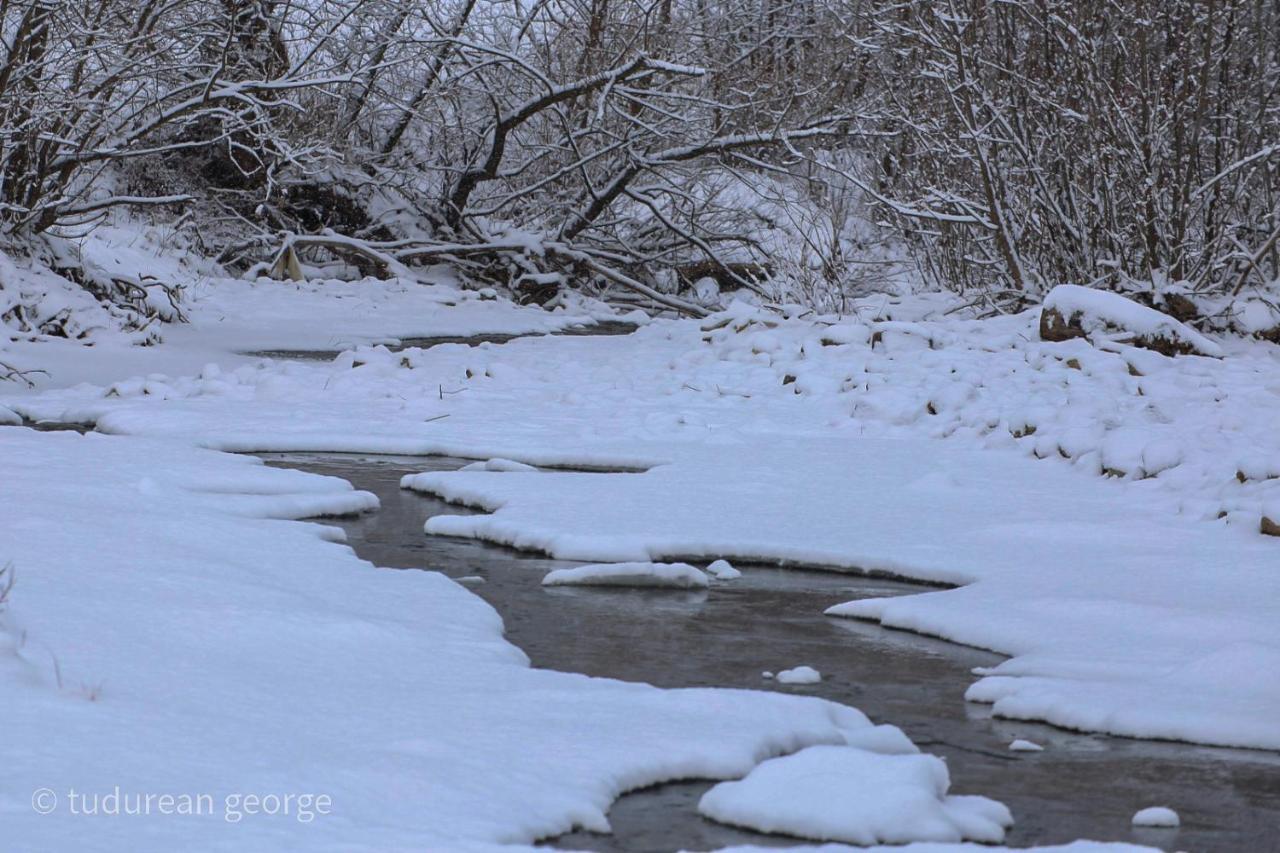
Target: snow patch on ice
[[675, 575], [799, 675], [1156, 816]]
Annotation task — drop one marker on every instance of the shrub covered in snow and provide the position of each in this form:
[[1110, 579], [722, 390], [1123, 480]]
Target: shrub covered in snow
[[1071, 311]]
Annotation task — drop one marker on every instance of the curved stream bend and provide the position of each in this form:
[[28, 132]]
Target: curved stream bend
[[1081, 786]]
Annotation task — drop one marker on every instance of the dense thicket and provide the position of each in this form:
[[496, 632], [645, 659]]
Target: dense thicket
[[1001, 146]]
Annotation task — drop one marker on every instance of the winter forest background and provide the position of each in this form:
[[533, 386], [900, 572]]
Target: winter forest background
[[806, 151]]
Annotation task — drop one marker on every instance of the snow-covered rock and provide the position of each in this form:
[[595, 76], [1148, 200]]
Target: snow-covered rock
[[841, 793], [675, 575], [721, 570], [799, 675], [1157, 816], [1071, 311]]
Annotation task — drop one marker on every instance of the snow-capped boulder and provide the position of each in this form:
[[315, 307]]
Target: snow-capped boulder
[[1071, 311]]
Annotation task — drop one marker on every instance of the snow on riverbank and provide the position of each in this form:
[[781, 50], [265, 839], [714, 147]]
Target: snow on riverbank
[[1125, 572], [168, 634], [1154, 627], [230, 318]]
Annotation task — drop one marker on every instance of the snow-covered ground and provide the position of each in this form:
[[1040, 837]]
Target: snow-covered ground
[[170, 632], [230, 317], [1125, 573]]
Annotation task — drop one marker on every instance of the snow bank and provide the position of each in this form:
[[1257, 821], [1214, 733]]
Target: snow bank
[[675, 575], [835, 793], [1071, 310], [170, 634], [931, 847], [1148, 629], [1103, 505]]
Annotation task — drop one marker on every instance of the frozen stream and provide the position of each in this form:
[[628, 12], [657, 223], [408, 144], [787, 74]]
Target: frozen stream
[[1080, 786]]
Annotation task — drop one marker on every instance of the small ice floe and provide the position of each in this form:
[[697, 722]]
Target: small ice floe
[[675, 575], [767, 674], [470, 580], [1021, 745], [721, 570], [1157, 816], [799, 675]]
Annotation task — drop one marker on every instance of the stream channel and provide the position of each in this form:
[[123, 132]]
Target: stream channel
[[1080, 786]]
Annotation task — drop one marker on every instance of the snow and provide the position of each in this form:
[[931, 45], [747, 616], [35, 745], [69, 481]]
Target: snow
[[799, 675], [840, 793], [675, 575], [721, 570], [1085, 499], [1021, 745], [170, 631], [498, 465], [1100, 311], [928, 847], [230, 317], [1157, 816]]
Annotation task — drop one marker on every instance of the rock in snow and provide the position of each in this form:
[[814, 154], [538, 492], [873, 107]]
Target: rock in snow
[[677, 575], [1072, 311], [839, 793], [1156, 816], [1270, 525], [799, 675]]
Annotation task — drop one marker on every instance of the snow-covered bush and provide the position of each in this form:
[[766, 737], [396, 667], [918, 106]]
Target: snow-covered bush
[[805, 153]]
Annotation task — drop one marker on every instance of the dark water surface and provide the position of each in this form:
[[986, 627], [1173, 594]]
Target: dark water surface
[[1081, 786]]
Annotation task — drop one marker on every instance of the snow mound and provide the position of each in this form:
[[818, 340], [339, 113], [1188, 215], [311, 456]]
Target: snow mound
[[498, 464], [675, 575], [1021, 745], [799, 675], [1073, 311], [1156, 816], [840, 793], [721, 570]]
